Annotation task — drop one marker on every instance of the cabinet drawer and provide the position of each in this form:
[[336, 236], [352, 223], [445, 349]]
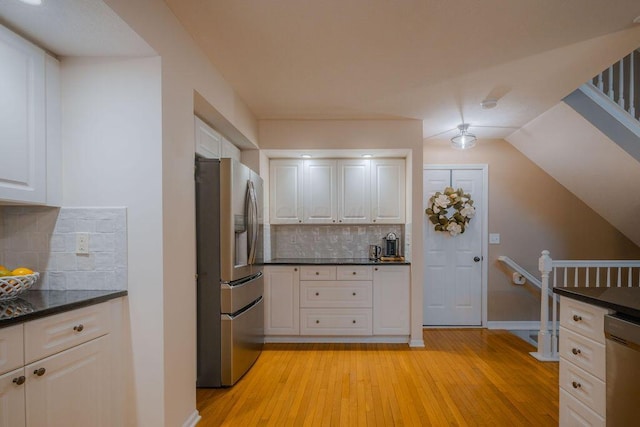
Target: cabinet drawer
[[335, 294], [583, 352], [354, 272], [49, 335], [11, 348], [575, 414], [583, 386], [336, 321], [585, 319], [317, 273]]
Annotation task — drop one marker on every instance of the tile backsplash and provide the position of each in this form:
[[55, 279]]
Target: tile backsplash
[[44, 239], [328, 241]]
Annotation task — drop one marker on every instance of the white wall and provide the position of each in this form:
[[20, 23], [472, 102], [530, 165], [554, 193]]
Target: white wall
[[185, 71], [112, 154]]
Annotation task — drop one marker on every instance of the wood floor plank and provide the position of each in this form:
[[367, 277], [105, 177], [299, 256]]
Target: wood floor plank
[[462, 377]]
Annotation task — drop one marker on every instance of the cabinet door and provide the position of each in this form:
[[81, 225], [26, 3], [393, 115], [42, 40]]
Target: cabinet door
[[319, 192], [12, 399], [388, 191], [71, 388], [207, 140], [22, 120], [391, 300], [285, 191], [229, 150], [282, 300], [354, 191]]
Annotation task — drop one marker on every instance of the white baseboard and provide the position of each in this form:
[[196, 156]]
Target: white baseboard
[[401, 339], [416, 343], [514, 325], [193, 419]]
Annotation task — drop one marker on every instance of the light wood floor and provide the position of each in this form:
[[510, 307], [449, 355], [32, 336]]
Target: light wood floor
[[462, 377]]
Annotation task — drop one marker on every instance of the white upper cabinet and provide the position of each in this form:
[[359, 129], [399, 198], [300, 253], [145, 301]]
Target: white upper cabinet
[[29, 122], [354, 191], [388, 191], [208, 141], [227, 149], [346, 191], [319, 192], [285, 194]]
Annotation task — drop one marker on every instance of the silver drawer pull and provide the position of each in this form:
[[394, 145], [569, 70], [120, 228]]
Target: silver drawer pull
[[576, 385], [39, 372], [575, 351], [19, 380], [577, 318], [79, 328]]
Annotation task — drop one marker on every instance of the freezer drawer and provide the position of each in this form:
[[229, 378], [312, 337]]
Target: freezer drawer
[[235, 296], [242, 341]]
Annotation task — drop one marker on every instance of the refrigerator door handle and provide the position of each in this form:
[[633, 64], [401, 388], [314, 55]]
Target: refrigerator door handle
[[252, 220]]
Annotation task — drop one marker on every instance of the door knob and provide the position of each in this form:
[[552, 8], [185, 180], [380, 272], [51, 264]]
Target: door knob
[[476, 259]]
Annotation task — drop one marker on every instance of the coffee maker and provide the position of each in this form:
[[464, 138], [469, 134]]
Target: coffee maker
[[391, 245]]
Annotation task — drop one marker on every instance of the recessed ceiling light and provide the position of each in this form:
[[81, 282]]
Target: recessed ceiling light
[[489, 103], [366, 156], [306, 156], [32, 2]]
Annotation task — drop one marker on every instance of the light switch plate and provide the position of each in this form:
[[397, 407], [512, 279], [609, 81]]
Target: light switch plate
[[82, 243], [494, 238]]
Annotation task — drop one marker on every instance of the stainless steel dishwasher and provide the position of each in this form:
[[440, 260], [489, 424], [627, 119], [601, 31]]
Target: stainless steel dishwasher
[[623, 369]]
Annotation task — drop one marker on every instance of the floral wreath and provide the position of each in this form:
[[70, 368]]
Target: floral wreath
[[438, 210]]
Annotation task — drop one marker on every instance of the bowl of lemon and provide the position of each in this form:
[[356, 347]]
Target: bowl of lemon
[[16, 281]]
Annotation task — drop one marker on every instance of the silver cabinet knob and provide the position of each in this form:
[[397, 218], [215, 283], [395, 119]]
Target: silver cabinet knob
[[19, 380], [476, 259], [39, 372]]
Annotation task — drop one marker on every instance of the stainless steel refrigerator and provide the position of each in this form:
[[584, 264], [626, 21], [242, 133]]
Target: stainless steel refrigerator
[[230, 310]]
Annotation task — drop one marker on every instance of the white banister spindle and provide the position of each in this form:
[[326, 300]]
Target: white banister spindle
[[621, 84], [600, 83], [608, 277], [575, 276], [587, 278], [619, 277], [597, 277], [629, 277], [632, 98], [610, 75]]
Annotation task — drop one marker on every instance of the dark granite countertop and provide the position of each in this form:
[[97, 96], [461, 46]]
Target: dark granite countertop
[[35, 304], [621, 300], [331, 261]]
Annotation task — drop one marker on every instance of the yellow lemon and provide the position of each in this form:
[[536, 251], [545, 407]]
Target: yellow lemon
[[21, 271], [4, 272]]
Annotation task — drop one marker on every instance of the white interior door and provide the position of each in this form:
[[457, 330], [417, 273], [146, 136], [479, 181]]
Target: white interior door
[[453, 267]]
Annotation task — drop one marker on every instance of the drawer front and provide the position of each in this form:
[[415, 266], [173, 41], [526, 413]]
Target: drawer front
[[11, 348], [354, 272], [583, 352], [585, 319], [575, 414], [335, 294], [351, 321], [309, 272], [50, 335], [583, 386]]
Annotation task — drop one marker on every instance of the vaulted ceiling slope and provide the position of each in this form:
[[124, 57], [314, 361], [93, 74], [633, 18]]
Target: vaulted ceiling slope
[[431, 60]]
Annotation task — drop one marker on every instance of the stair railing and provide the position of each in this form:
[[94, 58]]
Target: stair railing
[[575, 273]]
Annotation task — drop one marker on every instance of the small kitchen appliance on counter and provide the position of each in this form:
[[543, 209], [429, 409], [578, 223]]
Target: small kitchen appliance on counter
[[391, 248], [375, 252]]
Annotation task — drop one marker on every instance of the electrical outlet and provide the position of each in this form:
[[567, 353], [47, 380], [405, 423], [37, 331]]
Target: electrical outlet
[[494, 238], [82, 243]]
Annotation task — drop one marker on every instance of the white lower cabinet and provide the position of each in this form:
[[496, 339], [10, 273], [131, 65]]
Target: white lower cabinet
[[582, 364], [337, 301], [71, 384], [391, 300], [282, 304], [12, 399]]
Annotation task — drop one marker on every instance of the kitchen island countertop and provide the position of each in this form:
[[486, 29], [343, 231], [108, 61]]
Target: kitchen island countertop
[[622, 300], [35, 304], [331, 261]]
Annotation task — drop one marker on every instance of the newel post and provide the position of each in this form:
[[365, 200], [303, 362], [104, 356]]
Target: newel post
[[545, 265]]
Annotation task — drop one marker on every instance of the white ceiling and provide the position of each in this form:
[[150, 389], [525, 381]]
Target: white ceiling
[[431, 60]]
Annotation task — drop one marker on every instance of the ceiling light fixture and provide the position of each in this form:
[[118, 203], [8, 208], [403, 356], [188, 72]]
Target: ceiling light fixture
[[306, 156], [32, 2], [367, 156], [489, 103], [464, 139]]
